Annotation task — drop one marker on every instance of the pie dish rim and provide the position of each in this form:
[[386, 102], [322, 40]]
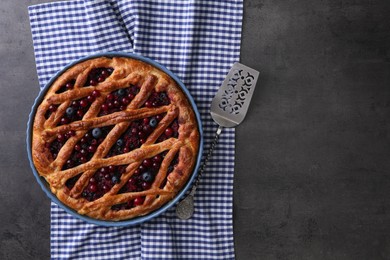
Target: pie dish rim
[[129, 222]]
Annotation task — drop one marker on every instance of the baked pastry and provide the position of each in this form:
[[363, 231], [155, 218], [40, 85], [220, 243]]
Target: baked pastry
[[115, 138]]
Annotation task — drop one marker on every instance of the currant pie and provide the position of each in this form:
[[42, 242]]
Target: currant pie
[[115, 138]]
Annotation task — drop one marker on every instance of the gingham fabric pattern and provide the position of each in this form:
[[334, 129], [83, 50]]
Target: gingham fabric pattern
[[199, 41]]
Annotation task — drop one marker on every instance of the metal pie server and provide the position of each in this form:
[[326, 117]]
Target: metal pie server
[[228, 109]]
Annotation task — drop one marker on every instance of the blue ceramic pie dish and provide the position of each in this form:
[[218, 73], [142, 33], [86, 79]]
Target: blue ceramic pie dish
[[45, 186]]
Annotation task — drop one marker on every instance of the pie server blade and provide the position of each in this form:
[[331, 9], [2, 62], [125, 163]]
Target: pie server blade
[[228, 109], [230, 104]]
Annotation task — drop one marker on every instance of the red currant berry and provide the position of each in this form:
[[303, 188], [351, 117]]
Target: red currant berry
[[148, 104], [80, 113], [110, 96], [71, 133], [92, 187], [93, 82], [106, 188], [139, 201], [111, 168], [159, 117], [61, 138], [83, 103], [52, 108], [91, 148], [95, 93], [104, 107], [158, 158], [147, 163], [90, 98], [168, 132], [69, 85], [125, 101], [75, 103], [64, 120], [77, 147], [146, 185], [105, 73], [132, 181]]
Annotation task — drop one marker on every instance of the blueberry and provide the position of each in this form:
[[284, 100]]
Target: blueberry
[[163, 95], [96, 132], [115, 179], [153, 122], [121, 92], [84, 194], [70, 111], [119, 142], [147, 176]]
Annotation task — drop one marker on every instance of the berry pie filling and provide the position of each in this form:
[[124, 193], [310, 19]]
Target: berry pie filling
[[56, 145], [95, 76], [102, 181], [68, 86], [171, 131], [86, 146], [118, 100], [52, 109], [98, 75], [78, 108], [144, 175], [72, 181], [135, 135], [157, 99], [143, 178]]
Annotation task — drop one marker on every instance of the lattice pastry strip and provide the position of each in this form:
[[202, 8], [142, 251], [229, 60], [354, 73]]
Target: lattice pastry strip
[[115, 138]]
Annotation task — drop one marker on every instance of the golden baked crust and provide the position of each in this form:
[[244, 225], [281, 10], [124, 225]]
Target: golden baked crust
[[72, 181]]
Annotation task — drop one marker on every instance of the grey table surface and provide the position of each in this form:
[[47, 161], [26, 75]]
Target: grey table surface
[[312, 175]]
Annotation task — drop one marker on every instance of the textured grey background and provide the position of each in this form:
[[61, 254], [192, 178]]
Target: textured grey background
[[312, 167]]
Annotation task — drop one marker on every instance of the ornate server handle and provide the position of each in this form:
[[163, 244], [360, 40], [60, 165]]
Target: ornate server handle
[[200, 173]]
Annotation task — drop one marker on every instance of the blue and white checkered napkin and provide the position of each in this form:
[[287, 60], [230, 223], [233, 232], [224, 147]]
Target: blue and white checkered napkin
[[199, 41]]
